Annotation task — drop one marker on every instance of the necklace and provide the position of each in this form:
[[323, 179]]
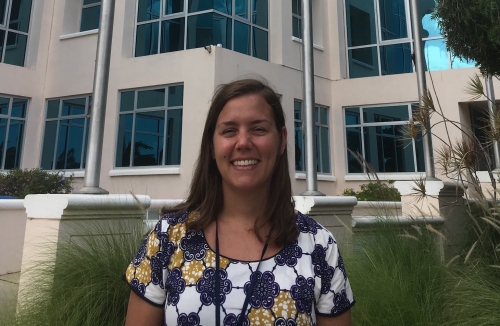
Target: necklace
[[217, 281]]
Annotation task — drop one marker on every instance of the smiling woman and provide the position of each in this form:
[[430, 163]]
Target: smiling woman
[[236, 247]]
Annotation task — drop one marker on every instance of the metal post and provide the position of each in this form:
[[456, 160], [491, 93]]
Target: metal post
[[490, 93], [308, 59], [99, 95], [430, 173]]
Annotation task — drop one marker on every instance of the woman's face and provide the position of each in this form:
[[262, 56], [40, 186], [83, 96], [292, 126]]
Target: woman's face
[[247, 143]]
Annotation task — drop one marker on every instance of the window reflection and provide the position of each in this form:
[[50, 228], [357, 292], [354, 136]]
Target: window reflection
[[396, 59], [12, 124], [208, 29], [436, 55], [392, 19]]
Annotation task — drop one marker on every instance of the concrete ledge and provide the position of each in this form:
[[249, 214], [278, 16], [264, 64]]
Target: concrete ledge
[[369, 221], [11, 204]]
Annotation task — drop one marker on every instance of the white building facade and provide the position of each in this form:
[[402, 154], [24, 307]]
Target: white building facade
[[165, 64]]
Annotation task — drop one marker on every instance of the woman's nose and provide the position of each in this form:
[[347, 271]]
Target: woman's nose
[[243, 140]]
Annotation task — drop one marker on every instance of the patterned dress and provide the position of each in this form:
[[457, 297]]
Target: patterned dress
[[175, 269]]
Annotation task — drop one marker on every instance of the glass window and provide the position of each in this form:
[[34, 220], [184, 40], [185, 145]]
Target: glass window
[[165, 26], [322, 138], [296, 19], [150, 132], [14, 26], [66, 134], [374, 134], [379, 38], [91, 13], [12, 124], [479, 122]]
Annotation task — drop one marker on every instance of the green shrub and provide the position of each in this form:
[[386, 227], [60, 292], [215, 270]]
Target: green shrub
[[19, 183], [87, 286], [375, 191]]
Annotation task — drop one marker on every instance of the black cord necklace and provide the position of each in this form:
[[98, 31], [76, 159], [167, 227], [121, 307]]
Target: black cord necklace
[[217, 281]]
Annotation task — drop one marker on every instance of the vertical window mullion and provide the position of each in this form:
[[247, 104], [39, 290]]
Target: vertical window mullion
[[83, 156]]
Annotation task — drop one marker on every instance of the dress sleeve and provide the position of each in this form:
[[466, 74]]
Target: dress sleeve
[[336, 296], [149, 268]]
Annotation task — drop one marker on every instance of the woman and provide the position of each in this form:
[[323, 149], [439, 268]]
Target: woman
[[236, 245]]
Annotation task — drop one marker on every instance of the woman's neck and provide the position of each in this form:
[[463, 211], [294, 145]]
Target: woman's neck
[[243, 208]]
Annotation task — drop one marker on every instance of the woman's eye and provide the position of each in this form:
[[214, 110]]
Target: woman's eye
[[228, 131]]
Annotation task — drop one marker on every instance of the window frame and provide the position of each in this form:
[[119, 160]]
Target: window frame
[[83, 7], [6, 29], [9, 118], [319, 162], [298, 17], [379, 43], [134, 111], [363, 124], [185, 14], [86, 129]]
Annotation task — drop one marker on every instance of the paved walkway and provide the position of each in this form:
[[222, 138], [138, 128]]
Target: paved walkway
[[9, 284]]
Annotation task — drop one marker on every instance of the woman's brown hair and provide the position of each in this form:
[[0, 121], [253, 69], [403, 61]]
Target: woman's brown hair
[[205, 193]]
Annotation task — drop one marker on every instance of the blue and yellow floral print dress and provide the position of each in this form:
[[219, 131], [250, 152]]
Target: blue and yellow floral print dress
[[175, 269]]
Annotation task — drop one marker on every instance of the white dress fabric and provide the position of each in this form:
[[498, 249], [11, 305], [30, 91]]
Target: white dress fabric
[[175, 269]]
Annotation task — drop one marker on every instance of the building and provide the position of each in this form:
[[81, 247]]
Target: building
[[169, 55]]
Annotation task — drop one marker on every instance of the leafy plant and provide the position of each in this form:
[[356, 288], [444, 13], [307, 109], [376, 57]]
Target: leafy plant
[[85, 287], [19, 183], [375, 191]]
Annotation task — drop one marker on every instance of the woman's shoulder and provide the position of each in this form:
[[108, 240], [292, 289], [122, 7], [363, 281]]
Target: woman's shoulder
[[176, 217], [309, 227]]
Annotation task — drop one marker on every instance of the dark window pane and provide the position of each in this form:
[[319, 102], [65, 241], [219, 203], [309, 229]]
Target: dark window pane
[[52, 109], [353, 141], [297, 110], [146, 40], [49, 143], [352, 116], [325, 149], [208, 29], [360, 23], [172, 37], [151, 98], [480, 127], [89, 2], [385, 114], [436, 55], [392, 19], [260, 12], [174, 137], [241, 38], [323, 114], [363, 62], [20, 15], [241, 8], [15, 49], [296, 7], [3, 136], [124, 144], [19, 108], [297, 27], [148, 10], [175, 95], [174, 6], [299, 147], [14, 144], [387, 150], [4, 105], [149, 133], [74, 106], [396, 59], [127, 101], [199, 5], [260, 44], [419, 148], [2, 41], [3, 11], [90, 18], [223, 6], [69, 144]]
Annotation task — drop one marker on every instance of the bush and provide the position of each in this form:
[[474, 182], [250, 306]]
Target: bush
[[19, 183], [375, 191]]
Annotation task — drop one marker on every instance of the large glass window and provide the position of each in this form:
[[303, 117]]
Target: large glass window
[[174, 25], [480, 125], [375, 134], [322, 138], [296, 19], [14, 27], [91, 13], [12, 124], [150, 127], [66, 133], [380, 40]]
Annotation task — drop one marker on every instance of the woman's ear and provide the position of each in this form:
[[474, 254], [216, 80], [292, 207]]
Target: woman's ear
[[284, 134]]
